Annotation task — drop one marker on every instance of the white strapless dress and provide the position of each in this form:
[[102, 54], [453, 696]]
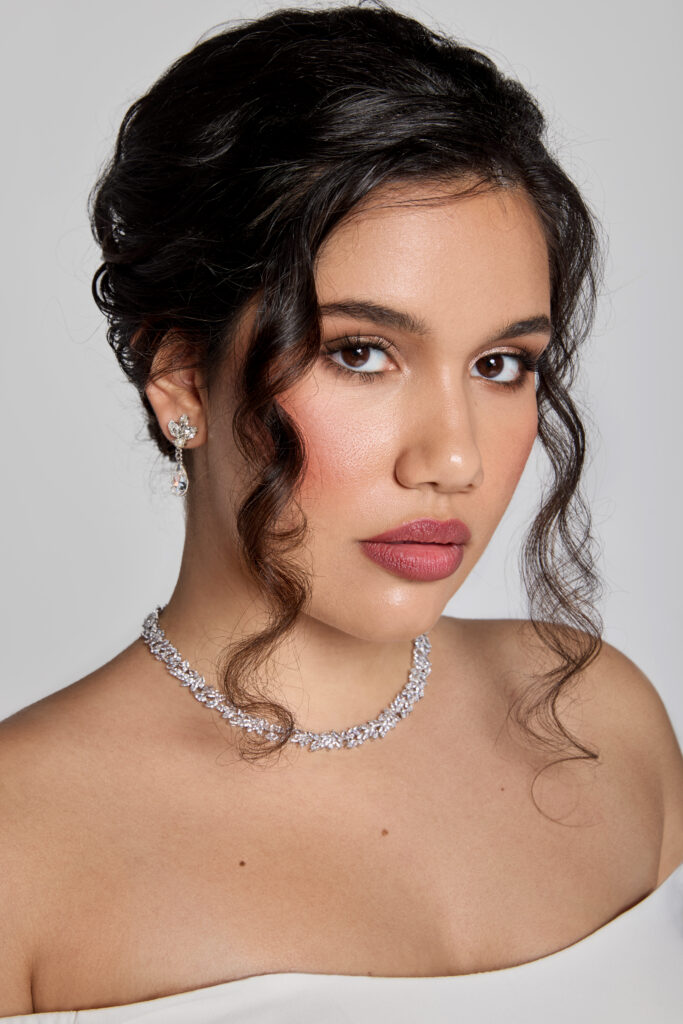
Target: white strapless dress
[[629, 971]]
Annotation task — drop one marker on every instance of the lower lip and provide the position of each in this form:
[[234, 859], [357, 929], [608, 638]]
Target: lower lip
[[423, 562]]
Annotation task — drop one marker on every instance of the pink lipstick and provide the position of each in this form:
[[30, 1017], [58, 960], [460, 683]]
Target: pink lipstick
[[426, 549]]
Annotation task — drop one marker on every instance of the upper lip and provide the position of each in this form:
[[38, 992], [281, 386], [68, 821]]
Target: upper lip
[[427, 531]]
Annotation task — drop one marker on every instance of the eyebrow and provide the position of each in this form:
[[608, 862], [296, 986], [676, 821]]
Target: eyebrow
[[359, 309], [539, 324]]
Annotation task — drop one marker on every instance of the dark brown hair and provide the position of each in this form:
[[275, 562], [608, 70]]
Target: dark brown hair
[[227, 176]]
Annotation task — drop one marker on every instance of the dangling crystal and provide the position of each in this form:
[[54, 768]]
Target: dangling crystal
[[179, 481]]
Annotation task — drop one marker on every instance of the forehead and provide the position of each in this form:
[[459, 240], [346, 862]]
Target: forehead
[[427, 249]]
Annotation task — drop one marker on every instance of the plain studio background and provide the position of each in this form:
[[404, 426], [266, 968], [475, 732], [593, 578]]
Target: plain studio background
[[92, 535]]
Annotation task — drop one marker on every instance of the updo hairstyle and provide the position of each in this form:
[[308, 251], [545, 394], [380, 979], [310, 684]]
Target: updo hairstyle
[[228, 175]]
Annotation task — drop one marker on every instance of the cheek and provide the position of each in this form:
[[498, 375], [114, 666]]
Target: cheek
[[507, 451], [346, 452], [349, 441]]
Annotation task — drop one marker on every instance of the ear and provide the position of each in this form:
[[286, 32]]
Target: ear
[[175, 392]]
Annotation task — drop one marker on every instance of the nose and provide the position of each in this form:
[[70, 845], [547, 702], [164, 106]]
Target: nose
[[439, 445]]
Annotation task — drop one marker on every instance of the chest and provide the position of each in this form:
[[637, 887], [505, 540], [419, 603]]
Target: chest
[[421, 872]]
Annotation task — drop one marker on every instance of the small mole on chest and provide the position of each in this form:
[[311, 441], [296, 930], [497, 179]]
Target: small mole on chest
[[242, 863], [385, 831]]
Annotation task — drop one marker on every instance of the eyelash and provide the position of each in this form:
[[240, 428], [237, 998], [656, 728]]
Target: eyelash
[[528, 362]]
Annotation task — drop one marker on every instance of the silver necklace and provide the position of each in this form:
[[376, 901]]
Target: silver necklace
[[400, 707]]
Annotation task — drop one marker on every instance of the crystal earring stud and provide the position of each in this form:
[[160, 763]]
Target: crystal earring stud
[[181, 432]]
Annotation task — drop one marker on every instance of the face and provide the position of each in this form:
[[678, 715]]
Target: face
[[421, 405]]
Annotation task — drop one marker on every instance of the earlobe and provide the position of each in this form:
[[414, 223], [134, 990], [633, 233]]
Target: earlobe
[[176, 393]]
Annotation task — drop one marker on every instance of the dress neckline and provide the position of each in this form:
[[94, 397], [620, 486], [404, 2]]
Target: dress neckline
[[404, 981]]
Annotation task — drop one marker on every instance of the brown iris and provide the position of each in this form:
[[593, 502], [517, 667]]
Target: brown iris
[[490, 366], [356, 356]]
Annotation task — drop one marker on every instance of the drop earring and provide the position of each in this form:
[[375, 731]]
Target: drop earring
[[181, 432]]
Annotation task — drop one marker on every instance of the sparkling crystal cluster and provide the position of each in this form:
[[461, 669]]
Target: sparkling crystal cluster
[[181, 432], [388, 719]]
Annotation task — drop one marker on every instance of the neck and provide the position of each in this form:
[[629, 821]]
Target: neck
[[327, 678]]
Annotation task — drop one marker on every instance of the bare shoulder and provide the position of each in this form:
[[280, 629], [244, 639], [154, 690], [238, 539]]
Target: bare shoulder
[[611, 705], [55, 753], [18, 845], [49, 753], [26, 750], [630, 705]]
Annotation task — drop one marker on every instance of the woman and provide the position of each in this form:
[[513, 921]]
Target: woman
[[350, 284]]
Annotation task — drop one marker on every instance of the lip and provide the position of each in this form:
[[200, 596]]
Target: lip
[[426, 531], [424, 550]]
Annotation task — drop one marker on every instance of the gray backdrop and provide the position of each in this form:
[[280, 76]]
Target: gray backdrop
[[92, 538]]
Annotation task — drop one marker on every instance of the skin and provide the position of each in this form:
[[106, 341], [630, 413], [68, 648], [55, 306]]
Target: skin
[[125, 808]]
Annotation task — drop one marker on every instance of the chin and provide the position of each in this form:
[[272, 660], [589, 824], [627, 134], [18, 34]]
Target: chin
[[386, 620]]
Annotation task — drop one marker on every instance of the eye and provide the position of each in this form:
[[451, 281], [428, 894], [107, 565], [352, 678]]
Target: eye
[[358, 357], [502, 367]]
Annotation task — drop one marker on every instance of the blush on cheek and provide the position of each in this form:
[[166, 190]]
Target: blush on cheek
[[347, 446], [339, 462]]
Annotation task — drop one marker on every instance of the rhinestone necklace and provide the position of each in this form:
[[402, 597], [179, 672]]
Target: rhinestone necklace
[[400, 707]]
